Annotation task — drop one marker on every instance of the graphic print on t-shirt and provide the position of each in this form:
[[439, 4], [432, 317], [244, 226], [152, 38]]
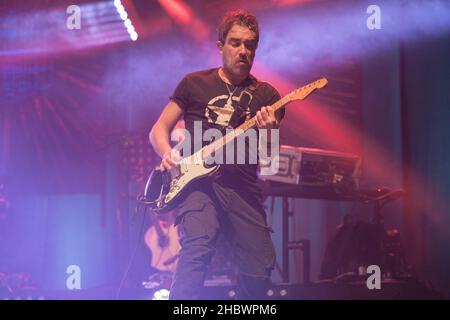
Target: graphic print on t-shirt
[[220, 110]]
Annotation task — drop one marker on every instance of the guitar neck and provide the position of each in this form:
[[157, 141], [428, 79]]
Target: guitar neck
[[218, 144], [252, 122], [299, 94]]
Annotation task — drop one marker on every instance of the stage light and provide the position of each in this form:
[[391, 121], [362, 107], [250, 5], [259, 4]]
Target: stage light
[[127, 21], [183, 14], [161, 294], [231, 294], [123, 15], [278, 292], [283, 292]]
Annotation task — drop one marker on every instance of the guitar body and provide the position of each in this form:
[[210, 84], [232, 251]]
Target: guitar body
[[163, 242], [164, 189]]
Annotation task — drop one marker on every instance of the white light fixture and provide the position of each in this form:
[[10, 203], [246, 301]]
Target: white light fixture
[[127, 21], [161, 294]]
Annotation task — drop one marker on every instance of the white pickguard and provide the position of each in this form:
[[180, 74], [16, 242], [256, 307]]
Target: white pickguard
[[189, 169]]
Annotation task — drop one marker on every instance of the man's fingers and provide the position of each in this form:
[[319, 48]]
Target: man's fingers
[[268, 115], [175, 156], [164, 166], [167, 164], [264, 113], [259, 121], [265, 118]]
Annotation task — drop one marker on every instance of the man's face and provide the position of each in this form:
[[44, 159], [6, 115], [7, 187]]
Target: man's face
[[238, 51]]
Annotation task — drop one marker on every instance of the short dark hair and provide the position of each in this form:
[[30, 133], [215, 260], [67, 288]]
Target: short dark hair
[[241, 17]]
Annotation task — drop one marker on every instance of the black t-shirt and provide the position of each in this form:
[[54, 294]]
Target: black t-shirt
[[204, 96]]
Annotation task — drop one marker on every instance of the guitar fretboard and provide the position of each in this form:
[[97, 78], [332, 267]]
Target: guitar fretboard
[[299, 94]]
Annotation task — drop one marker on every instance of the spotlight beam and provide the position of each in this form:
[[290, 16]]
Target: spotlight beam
[[183, 15]]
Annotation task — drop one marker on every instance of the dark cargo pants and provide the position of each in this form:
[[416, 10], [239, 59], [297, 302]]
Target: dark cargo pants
[[202, 215]]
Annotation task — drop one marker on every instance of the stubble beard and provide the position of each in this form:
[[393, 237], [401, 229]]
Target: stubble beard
[[238, 71]]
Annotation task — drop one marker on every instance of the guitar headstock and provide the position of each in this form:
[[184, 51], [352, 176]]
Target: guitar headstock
[[303, 92]]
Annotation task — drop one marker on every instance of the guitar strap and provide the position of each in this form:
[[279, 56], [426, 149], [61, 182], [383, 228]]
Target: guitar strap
[[244, 108]]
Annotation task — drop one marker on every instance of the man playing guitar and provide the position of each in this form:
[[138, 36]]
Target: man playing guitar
[[222, 98]]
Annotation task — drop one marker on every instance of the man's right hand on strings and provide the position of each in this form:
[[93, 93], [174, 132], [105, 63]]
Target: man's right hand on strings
[[170, 159]]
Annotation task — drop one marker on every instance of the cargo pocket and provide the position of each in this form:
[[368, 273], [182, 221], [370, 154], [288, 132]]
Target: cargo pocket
[[195, 201]]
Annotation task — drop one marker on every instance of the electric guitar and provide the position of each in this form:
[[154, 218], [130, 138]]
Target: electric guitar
[[165, 188]]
